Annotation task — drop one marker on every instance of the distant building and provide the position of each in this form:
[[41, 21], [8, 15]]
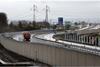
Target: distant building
[[60, 20], [60, 23]]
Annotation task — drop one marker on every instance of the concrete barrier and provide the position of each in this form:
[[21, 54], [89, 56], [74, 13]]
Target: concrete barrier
[[50, 54]]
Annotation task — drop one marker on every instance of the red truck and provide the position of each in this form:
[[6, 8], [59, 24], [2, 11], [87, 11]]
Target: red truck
[[26, 36]]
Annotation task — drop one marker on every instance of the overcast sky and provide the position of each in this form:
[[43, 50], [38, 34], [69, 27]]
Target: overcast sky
[[22, 9]]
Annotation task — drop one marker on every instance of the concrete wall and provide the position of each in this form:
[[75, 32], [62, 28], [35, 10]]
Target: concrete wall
[[50, 54]]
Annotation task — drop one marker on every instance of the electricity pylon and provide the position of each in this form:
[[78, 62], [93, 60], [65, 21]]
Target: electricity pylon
[[34, 12], [46, 13]]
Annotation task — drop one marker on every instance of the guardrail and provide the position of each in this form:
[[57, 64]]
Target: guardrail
[[71, 45]]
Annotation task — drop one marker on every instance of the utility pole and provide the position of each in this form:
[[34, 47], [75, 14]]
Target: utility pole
[[46, 13], [34, 12]]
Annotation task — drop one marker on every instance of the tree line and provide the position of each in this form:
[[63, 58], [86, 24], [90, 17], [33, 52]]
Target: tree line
[[22, 25], [26, 26]]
